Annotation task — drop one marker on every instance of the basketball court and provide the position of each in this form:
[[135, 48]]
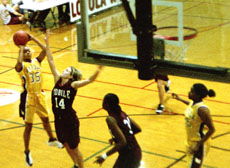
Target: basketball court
[[163, 136]]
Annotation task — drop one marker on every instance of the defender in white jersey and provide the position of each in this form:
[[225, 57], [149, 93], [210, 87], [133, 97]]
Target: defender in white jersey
[[198, 124]]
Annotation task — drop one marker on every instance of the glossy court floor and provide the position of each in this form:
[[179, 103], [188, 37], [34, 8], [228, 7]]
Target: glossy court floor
[[162, 137]]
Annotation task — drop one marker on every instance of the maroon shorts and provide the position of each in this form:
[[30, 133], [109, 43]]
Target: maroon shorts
[[14, 20], [161, 77], [68, 131], [129, 159]]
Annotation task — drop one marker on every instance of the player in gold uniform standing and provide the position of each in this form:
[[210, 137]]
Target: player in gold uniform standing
[[198, 123], [33, 98]]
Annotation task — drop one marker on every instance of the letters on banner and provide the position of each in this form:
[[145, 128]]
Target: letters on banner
[[93, 5]]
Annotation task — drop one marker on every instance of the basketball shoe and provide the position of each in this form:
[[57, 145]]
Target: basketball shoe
[[160, 109], [75, 166], [55, 142], [28, 158]]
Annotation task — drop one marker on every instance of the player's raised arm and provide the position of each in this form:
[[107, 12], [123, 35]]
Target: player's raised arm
[[51, 60], [78, 84], [42, 54], [18, 66]]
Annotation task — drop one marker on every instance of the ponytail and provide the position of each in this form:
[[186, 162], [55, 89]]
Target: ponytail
[[211, 93], [201, 90]]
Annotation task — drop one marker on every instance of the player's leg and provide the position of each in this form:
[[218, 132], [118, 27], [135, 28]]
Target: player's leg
[[70, 152], [161, 92], [29, 114], [42, 111], [22, 104], [47, 127], [160, 85], [73, 139], [52, 140], [75, 155], [163, 83], [195, 160], [26, 135], [79, 157]]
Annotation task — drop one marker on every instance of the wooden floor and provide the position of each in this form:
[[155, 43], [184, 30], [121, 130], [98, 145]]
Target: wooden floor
[[163, 136]]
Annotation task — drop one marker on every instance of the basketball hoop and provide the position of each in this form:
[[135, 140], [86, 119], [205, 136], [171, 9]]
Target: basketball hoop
[[175, 52], [193, 33]]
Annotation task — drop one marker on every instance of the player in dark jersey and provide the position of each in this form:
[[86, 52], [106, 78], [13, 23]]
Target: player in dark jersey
[[123, 130], [63, 94], [163, 84]]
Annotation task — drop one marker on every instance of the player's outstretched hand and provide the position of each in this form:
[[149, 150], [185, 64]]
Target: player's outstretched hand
[[111, 141], [31, 37], [175, 96], [99, 160]]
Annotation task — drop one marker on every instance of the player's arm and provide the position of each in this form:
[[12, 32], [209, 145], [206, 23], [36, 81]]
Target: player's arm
[[119, 136], [205, 116], [18, 66], [51, 60], [42, 54], [17, 13], [175, 96], [135, 127], [12, 10], [78, 84]]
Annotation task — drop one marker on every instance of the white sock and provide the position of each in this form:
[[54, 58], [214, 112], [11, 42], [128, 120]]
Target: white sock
[[168, 83]]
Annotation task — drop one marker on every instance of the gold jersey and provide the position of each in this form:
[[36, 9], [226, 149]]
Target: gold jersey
[[195, 128], [31, 76]]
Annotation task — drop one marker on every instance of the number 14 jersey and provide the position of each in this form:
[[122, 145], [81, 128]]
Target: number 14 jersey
[[62, 101]]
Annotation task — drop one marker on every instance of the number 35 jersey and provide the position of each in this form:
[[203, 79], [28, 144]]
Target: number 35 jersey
[[31, 76], [62, 101]]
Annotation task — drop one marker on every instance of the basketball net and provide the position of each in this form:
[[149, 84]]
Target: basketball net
[[176, 52]]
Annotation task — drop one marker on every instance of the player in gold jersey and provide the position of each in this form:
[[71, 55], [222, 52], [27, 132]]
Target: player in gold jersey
[[33, 98], [198, 123]]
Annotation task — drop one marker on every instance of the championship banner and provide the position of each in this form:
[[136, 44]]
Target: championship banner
[[94, 6]]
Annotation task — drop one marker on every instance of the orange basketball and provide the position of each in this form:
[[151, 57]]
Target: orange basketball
[[21, 37]]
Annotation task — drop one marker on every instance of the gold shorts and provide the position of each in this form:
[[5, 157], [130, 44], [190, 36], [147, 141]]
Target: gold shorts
[[35, 103]]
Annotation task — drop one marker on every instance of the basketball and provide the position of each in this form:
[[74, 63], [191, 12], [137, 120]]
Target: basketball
[[21, 37]]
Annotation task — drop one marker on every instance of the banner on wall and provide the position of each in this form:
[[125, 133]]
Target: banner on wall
[[94, 6]]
